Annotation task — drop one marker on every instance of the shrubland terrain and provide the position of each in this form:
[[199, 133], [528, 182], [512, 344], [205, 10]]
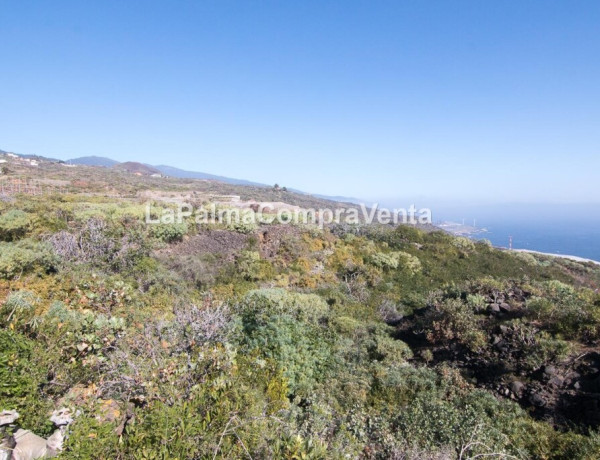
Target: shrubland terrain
[[185, 341]]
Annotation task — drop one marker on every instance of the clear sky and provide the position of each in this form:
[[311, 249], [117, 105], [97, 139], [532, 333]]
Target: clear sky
[[481, 100]]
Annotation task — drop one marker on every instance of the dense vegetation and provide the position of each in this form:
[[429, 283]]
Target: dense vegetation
[[287, 341]]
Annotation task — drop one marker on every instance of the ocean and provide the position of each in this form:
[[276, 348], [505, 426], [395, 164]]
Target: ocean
[[557, 229], [557, 237]]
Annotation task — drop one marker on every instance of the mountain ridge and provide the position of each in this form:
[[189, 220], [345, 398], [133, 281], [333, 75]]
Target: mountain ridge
[[187, 174], [172, 171], [93, 160]]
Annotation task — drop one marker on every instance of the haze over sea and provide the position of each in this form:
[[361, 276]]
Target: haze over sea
[[569, 229], [557, 229]]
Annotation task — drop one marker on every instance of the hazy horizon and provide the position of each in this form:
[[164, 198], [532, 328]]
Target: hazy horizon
[[455, 207]]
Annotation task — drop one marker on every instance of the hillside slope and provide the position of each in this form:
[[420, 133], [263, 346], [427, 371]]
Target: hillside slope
[[136, 168], [282, 339], [183, 174]]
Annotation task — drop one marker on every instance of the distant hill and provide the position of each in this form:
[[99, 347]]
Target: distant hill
[[29, 156], [136, 168], [183, 174], [147, 170], [94, 161]]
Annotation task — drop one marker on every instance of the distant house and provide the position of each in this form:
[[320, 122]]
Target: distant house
[[155, 175], [3, 161], [12, 155], [33, 163]]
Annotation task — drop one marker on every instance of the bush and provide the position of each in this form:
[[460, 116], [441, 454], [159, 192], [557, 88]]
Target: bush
[[102, 245], [463, 244], [286, 327], [564, 310], [390, 351], [211, 324], [252, 267], [409, 263], [396, 260], [17, 371], [25, 256], [169, 233], [476, 302], [243, 227], [471, 425], [19, 308], [400, 237], [452, 319], [385, 260], [14, 224], [526, 257], [76, 334], [199, 269]]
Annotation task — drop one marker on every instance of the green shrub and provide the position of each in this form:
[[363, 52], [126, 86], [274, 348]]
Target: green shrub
[[23, 371], [399, 238], [250, 265], [390, 351], [385, 260], [526, 257], [463, 244], [169, 233], [243, 227], [14, 224], [476, 301], [76, 334], [16, 356], [452, 319], [396, 260], [19, 308], [471, 425], [564, 310], [409, 263], [25, 256], [286, 327]]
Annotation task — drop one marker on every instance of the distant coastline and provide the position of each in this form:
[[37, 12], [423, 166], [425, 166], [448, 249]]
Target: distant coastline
[[562, 256], [559, 238]]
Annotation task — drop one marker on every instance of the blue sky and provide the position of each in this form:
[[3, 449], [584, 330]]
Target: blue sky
[[450, 100]]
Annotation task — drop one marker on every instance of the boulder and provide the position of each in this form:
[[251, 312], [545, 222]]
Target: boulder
[[517, 387], [556, 381], [504, 307], [549, 371], [494, 308], [537, 400], [8, 416]]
